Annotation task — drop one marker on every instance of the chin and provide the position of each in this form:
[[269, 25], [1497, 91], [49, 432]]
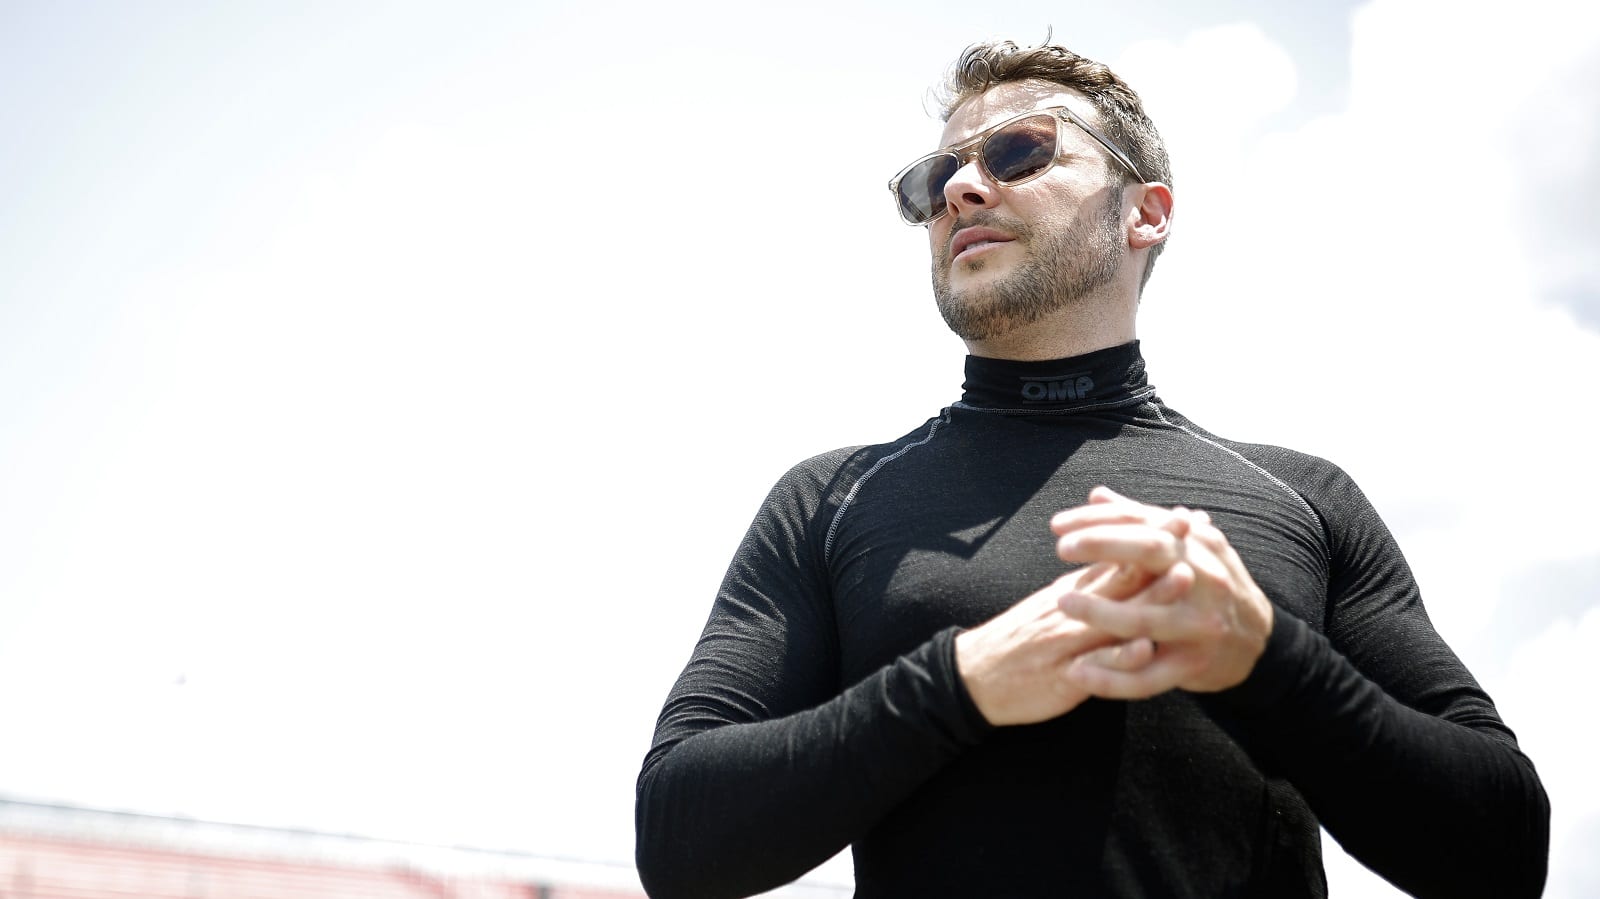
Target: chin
[[977, 275]]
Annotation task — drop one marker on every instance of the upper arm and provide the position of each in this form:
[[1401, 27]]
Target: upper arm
[[769, 647], [1376, 617]]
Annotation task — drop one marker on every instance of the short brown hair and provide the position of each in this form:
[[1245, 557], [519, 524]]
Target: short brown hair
[[1121, 113]]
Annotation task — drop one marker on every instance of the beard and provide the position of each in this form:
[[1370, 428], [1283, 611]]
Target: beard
[[1058, 271]]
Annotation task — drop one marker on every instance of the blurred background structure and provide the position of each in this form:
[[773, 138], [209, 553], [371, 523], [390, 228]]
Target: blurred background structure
[[50, 851], [64, 852]]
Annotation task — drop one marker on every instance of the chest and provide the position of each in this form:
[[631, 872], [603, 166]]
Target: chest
[[961, 533]]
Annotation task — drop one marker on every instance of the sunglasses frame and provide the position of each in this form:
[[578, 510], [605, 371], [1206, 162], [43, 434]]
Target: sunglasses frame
[[972, 150]]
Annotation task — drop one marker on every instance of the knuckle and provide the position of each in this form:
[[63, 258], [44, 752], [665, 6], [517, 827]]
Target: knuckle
[[1171, 589], [1140, 626], [1062, 687]]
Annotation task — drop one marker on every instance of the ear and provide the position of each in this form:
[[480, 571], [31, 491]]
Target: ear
[[1149, 220]]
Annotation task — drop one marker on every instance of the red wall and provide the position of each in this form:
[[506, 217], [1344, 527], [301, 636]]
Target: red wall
[[52, 868]]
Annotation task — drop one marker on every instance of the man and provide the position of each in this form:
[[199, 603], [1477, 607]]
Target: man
[[899, 661]]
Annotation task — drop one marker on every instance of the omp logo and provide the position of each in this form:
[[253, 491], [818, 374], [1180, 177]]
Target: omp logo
[[1056, 388]]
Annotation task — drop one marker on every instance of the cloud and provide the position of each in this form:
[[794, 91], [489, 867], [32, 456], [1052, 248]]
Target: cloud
[[1555, 139], [1547, 684], [1411, 283]]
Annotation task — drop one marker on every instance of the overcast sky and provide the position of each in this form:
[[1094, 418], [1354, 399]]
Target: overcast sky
[[383, 389]]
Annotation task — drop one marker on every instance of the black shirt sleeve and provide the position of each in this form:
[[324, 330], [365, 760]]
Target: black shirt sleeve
[[764, 765], [1382, 729]]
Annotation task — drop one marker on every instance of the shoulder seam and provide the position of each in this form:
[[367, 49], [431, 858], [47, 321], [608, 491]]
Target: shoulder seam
[[1317, 519], [833, 526]]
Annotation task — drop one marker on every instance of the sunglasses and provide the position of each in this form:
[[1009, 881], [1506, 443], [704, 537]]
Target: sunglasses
[[1010, 153]]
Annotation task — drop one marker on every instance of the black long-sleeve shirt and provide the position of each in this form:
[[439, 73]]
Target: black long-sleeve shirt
[[822, 706]]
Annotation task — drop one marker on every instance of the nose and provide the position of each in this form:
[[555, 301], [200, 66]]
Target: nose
[[969, 188]]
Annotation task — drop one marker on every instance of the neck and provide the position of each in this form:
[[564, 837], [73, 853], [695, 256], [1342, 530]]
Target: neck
[[1111, 377], [1082, 328]]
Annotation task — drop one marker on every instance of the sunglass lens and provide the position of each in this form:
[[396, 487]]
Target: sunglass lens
[[1021, 149], [922, 188]]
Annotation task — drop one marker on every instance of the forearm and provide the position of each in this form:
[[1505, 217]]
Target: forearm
[[1439, 807], [741, 808]]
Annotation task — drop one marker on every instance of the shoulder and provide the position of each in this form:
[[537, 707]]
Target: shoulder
[[1310, 474], [1303, 469], [813, 493], [1321, 484], [823, 473], [824, 481]]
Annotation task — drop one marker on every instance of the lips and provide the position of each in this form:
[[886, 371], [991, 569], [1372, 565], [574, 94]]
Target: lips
[[976, 237]]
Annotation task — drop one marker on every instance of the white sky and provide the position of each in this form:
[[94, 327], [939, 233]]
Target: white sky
[[382, 391]]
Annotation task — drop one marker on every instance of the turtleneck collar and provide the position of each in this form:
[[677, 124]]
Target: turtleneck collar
[[1109, 377]]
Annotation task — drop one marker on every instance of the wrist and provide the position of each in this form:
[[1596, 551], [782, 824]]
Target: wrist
[[966, 656], [962, 680]]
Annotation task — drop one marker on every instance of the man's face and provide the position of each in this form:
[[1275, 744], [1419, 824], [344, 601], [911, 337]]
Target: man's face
[[1004, 257]]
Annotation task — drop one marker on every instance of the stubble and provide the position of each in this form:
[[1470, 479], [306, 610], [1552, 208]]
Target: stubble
[[1058, 271]]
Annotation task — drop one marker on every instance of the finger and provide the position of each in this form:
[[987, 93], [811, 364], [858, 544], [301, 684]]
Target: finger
[[1129, 620], [1111, 682], [1090, 578], [1117, 582], [1051, 594], [1207, 534], [1129, 656], [1115, 503], [1121, 511], [1204, 530], [1170, 587], [1107, 579], [1150, 548], [1132, 585], [1104, 494], [1081, 517], [1209, 551]]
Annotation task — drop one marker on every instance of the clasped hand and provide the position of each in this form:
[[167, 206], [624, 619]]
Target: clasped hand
[[1163, 601]]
